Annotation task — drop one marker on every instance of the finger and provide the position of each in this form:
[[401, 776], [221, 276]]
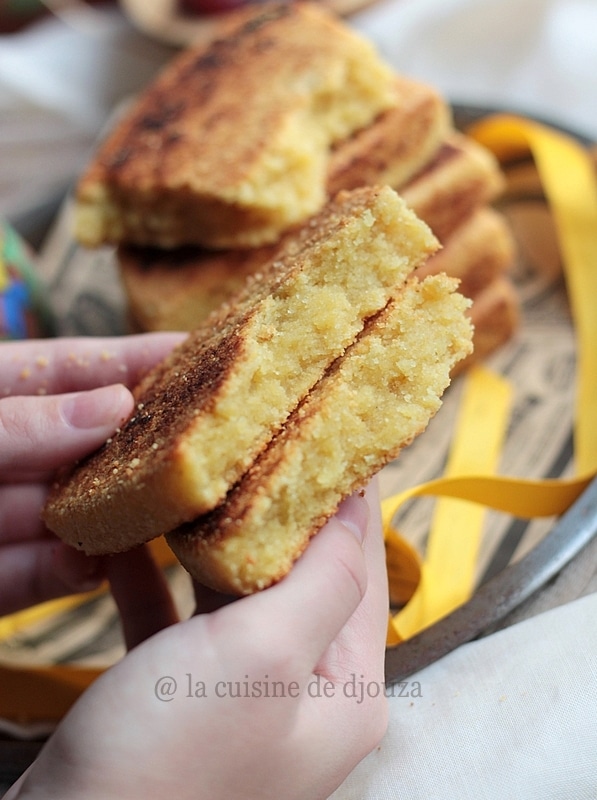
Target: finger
[[20, 508], [54, 366], [299, 617], [375, 605], [141, 593], [40, 434], [34, 572], [360, 646], [354, 665]]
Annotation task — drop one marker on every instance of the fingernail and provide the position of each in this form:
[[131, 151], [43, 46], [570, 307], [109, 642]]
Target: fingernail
[[107, 406], [353, 514]]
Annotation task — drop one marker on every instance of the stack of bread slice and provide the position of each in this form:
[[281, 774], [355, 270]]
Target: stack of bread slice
[[239, 142], [250, 193], [174, 289], [246, 438]]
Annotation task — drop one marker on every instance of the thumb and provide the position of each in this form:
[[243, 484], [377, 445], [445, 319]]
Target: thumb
[[40, 434]]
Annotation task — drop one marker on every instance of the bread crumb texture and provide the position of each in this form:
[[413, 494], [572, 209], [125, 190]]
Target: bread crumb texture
[[206, 412], [190, 164], [370, 404]]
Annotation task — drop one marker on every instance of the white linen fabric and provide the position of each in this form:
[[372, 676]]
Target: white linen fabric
[[535, 56], [60, 80], [509, 717]]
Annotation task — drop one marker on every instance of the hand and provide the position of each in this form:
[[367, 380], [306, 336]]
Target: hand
[[316, 640], [52, 413]]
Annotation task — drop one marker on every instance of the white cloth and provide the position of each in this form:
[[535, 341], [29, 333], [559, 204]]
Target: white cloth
[[60, 79], [535, 56], [510, 717]]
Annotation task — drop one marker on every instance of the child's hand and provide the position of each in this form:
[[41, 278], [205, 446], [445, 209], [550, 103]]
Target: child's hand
[[276, 695], [59, 400]]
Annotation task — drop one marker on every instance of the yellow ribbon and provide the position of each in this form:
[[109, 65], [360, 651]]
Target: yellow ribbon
[[448, 572], [446, 576], [20, 620], [42, 694], [568, 179], [45, 693]]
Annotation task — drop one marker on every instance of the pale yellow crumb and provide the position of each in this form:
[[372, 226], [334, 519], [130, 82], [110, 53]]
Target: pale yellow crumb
[[78, 360]]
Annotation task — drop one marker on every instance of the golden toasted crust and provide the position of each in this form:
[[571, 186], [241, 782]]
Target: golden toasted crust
[[477, 252], [177, 289], [495, 315], [174, 292], [204, 414], [229, 146], [396, 145], [371, 403], [462, 176]]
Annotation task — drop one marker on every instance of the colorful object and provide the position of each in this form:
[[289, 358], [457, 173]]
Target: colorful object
[[23, 312]]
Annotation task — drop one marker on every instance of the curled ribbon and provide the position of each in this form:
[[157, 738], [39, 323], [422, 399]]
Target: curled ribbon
[[445, 578]]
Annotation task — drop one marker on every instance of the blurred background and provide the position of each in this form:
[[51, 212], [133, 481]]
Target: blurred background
[[66, 64]]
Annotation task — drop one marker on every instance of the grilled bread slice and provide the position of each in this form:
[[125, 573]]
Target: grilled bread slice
[[174, 290], [397, 144], [205, 413], [229, 146], [478, 251], [461, 176], [177, 289], [371, 403], [495, 315]]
